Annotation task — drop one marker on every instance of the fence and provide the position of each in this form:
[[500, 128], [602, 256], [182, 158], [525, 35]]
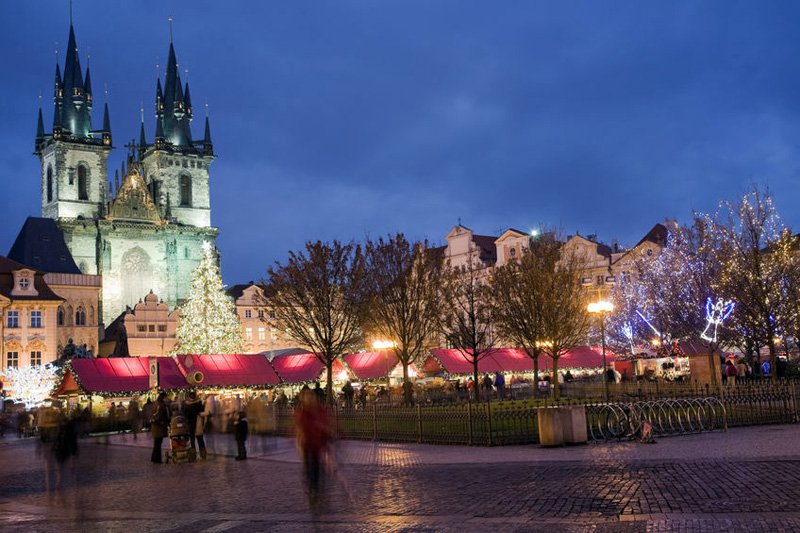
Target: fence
[[514, 422]]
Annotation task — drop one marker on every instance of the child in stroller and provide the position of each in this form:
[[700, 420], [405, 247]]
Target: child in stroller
[[180, 450]]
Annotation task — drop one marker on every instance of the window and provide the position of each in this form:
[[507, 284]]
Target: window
[[36, 319], [162, 328], [186, 253], [141, 328], [24, 283], [248, 334], [12, 319], [49, 183], [262, 334], [512, 252], [60, 316], [248, 313], [272, 314], [151, 328], [186, 191], [12, 359], [600, 279], [261, 313], [36, 358], [83, 183], [80, 316]]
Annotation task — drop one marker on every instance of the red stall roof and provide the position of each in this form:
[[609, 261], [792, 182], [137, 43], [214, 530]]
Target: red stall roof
[[230, 370], [115, 375], [511, 360], [302, 367], [374, 365]]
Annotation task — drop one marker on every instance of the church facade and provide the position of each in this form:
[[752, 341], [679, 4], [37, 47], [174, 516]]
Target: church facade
[[141, 233]]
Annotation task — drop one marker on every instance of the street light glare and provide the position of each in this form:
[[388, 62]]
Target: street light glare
[[382, 345], [602, 306]]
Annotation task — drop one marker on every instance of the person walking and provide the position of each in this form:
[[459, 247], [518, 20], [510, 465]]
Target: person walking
[[159, 423], [192, 409], [313, 439], [240, 431], [730, 373], [500, 384], [134, 418], [349, 394]]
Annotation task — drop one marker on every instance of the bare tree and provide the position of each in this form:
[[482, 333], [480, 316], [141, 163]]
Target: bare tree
[[318, 298], [518, 298], [466, 321], [564, 317], [404, 282]]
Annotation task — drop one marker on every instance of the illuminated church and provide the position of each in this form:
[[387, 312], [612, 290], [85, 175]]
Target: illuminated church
[[145, 230]]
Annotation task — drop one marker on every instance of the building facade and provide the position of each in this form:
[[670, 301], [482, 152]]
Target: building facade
[[147, 232], [146, 330], [261, 334]]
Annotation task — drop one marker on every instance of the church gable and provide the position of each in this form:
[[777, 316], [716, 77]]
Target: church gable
[[133, 201]]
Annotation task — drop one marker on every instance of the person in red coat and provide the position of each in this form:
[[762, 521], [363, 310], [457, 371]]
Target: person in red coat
[[313, 437]]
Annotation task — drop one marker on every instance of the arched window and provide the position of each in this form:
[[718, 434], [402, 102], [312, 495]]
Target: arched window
[[186, 191], [49, 183], [60, 316], [80, 316], [83, 183]]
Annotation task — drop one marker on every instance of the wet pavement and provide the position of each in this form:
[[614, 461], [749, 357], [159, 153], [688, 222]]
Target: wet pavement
[[742, 480]]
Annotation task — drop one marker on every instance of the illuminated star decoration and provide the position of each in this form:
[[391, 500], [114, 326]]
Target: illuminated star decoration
[[716, 315]]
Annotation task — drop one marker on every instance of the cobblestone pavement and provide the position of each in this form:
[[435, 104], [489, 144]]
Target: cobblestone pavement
[[743, 480]]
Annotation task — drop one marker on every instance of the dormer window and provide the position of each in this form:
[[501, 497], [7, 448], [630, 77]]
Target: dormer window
[[24, 283]]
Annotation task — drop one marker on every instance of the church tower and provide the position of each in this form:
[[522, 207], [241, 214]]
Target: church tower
[[73, 156], [175, 165]]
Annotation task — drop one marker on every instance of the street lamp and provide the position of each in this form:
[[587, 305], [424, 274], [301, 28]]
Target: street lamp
[[602, 307]]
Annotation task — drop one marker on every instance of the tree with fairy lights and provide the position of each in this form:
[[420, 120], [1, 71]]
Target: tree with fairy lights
[[31, 385], [208, 322]]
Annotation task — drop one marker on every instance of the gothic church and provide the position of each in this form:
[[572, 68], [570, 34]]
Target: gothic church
[[142, 233]]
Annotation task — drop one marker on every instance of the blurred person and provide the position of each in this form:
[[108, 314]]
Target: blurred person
[[500, 385], [134, 418], [408, 393], [348, 393], [192, 408], [313, 438], [240, 429], [159, 423], [730, 373]]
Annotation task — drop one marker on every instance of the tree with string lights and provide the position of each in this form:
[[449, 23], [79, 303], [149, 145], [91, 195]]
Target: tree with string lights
[[31, 385], [208, 322]]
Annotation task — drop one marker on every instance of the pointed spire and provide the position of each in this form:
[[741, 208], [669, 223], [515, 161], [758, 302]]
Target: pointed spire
[[159, 97], [58, 83], [106, 126], [142, 137], [40, 125], [87, 84], [187, 100]]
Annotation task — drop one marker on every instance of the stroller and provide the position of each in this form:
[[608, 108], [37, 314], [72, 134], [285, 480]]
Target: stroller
[[180, 450]]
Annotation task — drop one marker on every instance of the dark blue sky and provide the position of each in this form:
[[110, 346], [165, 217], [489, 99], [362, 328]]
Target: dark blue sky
[[352, 118]]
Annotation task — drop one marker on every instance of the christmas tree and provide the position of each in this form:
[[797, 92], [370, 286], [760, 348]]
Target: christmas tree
[[208, 321]]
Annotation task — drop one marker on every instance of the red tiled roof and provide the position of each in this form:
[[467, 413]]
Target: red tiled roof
[[230, 370]]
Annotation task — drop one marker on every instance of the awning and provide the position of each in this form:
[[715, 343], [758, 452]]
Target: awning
[[375, 365], [230, 370], [117, 376], [511, 360], [305, 367]]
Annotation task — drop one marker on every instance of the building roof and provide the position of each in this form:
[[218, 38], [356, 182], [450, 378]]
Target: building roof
[[304, 367], [236, 291], [511, 360], [8, 266], [230, 370], [373, 365], [40, 244]]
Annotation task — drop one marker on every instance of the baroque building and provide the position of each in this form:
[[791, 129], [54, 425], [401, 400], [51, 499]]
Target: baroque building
[[145, 233]]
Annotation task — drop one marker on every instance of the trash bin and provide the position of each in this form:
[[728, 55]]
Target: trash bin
[[551, 426], [574, 420]]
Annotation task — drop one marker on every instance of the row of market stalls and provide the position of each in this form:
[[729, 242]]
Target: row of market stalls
[[250, 373]]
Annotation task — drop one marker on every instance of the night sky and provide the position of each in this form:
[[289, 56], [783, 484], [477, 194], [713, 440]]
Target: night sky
[[349, 119]]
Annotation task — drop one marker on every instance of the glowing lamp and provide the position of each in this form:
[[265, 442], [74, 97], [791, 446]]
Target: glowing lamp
[[602, 306], [382, 345]]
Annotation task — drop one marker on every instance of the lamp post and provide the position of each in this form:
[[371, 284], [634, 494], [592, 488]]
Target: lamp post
[[602, 307]]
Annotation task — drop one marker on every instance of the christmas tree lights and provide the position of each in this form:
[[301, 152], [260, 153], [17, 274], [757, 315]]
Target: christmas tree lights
[[208, 322], [31, 385]]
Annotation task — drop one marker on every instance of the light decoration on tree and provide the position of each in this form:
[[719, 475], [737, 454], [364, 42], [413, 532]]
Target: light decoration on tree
[[627, 331], [208, 323], [31, 385], [716, 313], [649, 324]]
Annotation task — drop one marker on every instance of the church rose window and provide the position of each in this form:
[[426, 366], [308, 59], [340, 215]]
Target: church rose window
[[83, 183]]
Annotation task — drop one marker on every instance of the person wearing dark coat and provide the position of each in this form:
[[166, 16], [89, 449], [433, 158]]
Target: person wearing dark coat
[[159, 423], [192, 409], [240, 431]]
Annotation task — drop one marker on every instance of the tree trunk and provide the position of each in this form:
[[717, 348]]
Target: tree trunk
[[329, 384], [405, 371], [773, 357], [536, 372], [477, 384], [556, 389]]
